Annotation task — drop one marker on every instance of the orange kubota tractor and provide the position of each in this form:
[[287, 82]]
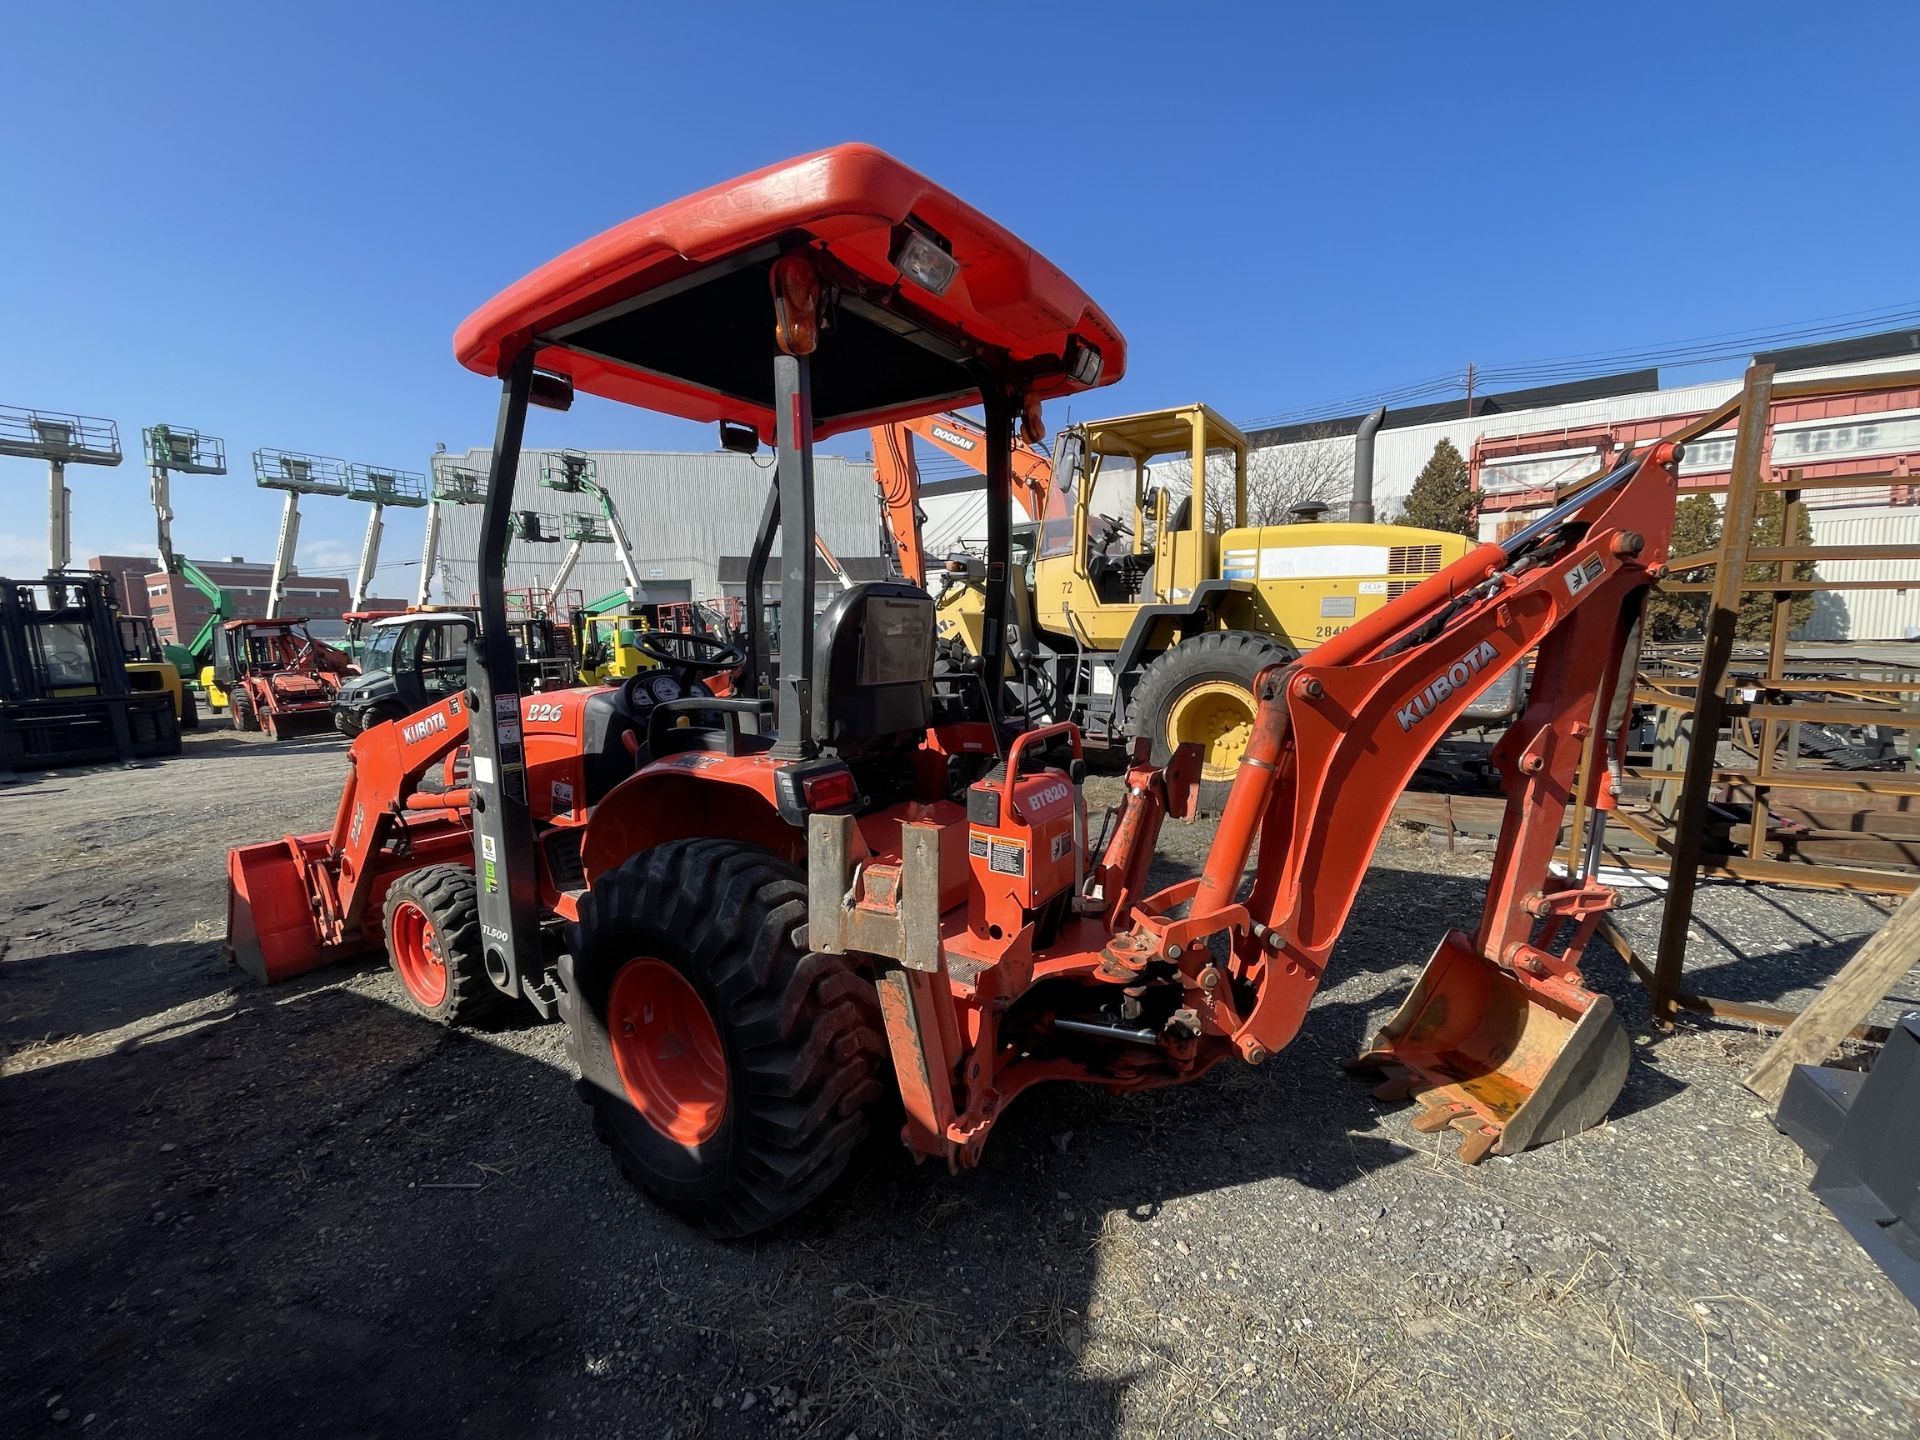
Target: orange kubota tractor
[[761, 917], [278, 677]]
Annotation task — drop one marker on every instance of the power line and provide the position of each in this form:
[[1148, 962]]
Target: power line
[[1673, 354]]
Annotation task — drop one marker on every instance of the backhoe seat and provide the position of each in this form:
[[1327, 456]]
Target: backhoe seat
[[604, 753], [608, 761], [873, 663]]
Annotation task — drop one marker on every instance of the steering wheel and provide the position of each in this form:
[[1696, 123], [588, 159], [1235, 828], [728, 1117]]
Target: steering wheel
[[1116, 529], [685, 650], [63, 665]]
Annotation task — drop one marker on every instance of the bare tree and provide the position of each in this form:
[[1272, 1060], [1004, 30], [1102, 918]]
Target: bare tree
[[1317, 470]]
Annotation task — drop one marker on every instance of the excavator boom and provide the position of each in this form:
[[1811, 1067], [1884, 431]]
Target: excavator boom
[[897, 473]]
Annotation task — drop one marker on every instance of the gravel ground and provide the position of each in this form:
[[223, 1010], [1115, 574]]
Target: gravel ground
[[229, 1209]]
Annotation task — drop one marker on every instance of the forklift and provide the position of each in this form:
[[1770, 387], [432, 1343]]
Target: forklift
[[65, 698], [150, 669], [775, 921]]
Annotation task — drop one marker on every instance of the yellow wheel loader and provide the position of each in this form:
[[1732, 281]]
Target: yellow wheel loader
[[1154, 621]]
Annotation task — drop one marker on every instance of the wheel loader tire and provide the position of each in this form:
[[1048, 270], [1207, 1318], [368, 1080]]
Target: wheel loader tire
[[240, 712], [732, 1072], [432, 925], [1202, 689]]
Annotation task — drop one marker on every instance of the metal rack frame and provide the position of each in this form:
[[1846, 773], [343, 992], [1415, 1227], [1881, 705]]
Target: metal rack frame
[[1771, 705]]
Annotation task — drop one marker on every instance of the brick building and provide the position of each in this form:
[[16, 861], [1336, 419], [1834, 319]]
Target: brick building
[[129, 574], [179, 610]]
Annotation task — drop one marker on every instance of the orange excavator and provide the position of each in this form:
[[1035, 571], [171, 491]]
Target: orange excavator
[[897, 472], [770, 925]]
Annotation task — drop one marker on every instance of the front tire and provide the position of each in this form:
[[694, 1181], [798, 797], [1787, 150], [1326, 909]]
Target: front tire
[[432, 925], [732, 1071], [240, 712], [1201, 691], [189, 711]]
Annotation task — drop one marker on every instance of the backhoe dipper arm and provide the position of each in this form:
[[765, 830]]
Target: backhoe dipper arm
[[1339, 735]]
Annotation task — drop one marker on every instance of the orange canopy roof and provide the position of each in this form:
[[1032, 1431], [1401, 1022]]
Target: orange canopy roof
[[673, 309]]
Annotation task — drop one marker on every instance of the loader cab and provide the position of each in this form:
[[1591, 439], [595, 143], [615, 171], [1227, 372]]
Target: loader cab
[[1128, 518]]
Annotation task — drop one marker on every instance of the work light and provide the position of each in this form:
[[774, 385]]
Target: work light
[[922, 258], [1083, 361]]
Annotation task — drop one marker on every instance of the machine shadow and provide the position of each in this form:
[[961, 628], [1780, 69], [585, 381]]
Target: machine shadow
[[50, 998], [1753, 977], [225, 741], [321, 1209]]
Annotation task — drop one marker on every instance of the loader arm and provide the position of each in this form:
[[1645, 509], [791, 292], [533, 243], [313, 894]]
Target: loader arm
[[300, 902], [385, 766], [1338, 736]]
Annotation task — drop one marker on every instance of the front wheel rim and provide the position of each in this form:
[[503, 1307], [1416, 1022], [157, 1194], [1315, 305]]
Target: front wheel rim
[[1218, 717], [667, 1050], [417, 955]]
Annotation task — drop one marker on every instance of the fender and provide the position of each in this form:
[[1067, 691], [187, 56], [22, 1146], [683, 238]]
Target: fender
[[1191, 616], [694, 795]]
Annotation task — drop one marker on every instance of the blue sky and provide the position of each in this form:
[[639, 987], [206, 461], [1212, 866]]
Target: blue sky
[[266, 220]]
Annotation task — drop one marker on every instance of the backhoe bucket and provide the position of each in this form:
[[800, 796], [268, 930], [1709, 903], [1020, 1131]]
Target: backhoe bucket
[[1509, 1060], [271, 931]]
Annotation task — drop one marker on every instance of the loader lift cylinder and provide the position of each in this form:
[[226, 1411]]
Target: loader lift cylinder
[[503, 859]]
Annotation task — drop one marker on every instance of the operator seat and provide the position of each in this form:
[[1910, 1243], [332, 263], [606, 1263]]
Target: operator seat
[[873, 665]]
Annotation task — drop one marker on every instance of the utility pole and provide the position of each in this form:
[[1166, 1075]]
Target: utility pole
[[1470, 377]]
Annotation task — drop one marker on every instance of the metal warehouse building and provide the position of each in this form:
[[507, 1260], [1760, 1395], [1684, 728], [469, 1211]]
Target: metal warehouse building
[[1551, 435], [691, 517]]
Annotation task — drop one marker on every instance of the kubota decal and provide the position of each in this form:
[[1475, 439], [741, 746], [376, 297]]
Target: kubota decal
[[420, 729], [1454, 677]]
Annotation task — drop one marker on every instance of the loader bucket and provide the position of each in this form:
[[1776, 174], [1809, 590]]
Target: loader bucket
[[1509, 1060], [270, 922]]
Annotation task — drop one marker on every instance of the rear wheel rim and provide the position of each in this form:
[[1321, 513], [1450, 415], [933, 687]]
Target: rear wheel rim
[[1216, 715], [417, 955], [667, 1050]]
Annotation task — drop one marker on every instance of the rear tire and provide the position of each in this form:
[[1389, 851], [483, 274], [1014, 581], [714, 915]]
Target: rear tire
[[432, 925], [732, 1072], [1202, 689]]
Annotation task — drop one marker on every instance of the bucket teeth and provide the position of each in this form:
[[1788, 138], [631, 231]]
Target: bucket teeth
[[1476, 1142], [1434, 1119]]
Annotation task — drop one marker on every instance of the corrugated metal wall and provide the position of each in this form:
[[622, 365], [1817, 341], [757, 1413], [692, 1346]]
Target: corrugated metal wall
[[1866, 614], [683, 512], [1400, 455]]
